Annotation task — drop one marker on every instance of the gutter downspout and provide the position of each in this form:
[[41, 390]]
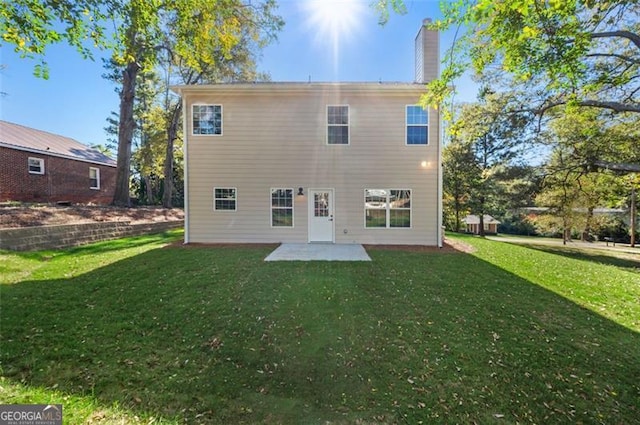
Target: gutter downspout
[[439, 170], [185, 148]]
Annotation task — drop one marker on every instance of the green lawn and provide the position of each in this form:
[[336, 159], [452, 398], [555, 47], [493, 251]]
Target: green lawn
[[134, 331]]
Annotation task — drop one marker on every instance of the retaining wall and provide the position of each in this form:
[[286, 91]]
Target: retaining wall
[[67, 235]]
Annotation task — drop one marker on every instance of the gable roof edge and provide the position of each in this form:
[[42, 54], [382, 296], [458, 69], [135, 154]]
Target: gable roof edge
[[58, 155]]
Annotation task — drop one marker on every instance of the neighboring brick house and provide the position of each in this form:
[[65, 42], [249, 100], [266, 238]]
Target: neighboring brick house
[[36, 166], [490, 224]]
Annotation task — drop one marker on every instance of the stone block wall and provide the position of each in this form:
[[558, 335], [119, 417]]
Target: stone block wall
[[67, 235]]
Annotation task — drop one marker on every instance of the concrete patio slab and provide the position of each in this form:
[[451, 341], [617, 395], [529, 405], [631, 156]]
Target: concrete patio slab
[[318, 252]]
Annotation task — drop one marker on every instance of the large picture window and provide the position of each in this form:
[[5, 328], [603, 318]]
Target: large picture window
[[207, 119], [417, 121], [282, 207], [35, 165], [225, 199], [338, 125], [387, 208]]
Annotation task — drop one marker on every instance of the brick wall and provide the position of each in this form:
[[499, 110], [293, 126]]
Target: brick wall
[[63, 179], [63, 236]]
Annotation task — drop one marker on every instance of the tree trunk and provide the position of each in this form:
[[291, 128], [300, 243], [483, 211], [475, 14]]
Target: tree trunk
[[148, 189], [633, 217], [125, 134], [566, 230], [172, 135], [481, 216], [587, 226]]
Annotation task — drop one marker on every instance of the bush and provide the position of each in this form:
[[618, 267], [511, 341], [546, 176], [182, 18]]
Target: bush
[[614, 228], [517, 224]]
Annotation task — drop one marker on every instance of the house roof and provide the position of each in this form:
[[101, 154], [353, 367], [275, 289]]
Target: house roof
[[15, 136], [474, 219], [599, 210], [378, 87]]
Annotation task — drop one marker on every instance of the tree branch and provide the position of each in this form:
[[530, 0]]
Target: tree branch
[[618, 166], [611, 105], [614, 106], [631, 36], [614, 55]]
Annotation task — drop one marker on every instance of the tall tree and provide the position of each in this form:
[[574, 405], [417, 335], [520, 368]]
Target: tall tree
[[496, 137], [194, 26], [237, 65], [578, 136], [138, 36], [459, 173]]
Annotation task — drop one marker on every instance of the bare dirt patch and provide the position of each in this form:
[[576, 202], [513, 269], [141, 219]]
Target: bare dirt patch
[[12, 216]]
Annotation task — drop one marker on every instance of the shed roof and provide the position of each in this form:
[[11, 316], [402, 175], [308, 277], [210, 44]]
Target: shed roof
[[474, 219], [16, 136]]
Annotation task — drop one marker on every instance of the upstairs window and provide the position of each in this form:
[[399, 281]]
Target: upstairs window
[[282, 207], [387, 208], [207, 119], [225, 198], [94, 178], [338, 125], [417, 121], [35, 165]]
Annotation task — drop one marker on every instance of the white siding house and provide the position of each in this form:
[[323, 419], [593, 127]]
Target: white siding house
[[314, 162]]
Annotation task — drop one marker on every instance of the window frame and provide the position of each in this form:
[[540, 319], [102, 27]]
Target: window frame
[[388, 208], [97, 178], [415, 125], [338, 125], [40, 164], [216, 199], [272, 207], [193, 119]]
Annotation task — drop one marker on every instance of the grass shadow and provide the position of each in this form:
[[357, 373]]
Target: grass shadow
[[170, 236], [216, 335], [592, 255]]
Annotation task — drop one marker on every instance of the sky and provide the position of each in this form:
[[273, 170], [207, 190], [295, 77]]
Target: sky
[[322, 41]]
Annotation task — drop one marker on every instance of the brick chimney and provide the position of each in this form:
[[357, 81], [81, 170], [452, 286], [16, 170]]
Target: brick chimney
[[427, 53]]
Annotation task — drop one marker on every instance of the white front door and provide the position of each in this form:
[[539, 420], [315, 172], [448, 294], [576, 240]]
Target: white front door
[[321, 209]]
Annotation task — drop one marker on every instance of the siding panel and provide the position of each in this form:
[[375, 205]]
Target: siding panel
[[278, 139]]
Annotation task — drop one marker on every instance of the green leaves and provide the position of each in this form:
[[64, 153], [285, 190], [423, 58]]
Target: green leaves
[[578, 47], [32, 25], [383, 7]]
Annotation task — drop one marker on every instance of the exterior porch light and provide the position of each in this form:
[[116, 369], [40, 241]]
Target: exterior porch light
[[300, 191]]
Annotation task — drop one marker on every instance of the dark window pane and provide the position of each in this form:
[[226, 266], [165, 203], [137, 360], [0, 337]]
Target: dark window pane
[[282, 198], [416, 135], [225, 198], [338, 115], [338, 135], [400, 218], [281, 217], [376, 218]]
